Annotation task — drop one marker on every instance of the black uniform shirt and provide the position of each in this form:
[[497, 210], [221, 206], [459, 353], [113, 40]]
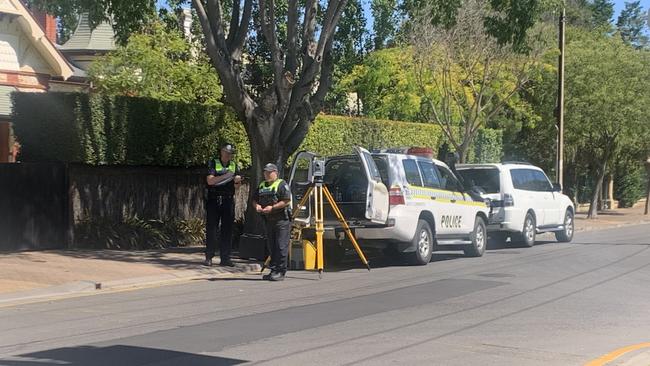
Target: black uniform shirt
[[227, 189]]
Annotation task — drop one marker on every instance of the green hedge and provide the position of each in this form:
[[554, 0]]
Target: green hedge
[[96, 129], [334, 135]]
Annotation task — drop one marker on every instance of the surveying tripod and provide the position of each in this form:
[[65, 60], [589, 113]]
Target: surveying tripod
[[319, 190]]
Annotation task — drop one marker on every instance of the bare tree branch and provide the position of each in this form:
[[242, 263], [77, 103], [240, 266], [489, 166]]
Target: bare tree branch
[[240, 36], [233, 85], [309, 26], [215, 17], [267, 20], [234, 23], [292, 38]]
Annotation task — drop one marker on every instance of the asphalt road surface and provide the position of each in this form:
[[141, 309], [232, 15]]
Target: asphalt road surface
[[553, 304]]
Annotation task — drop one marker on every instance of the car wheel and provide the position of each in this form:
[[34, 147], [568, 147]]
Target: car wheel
[[566, 235], [527, 237], [423, 243], [479, 239]]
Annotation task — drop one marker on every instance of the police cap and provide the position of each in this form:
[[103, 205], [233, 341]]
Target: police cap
[[228, 147], [270, 167]]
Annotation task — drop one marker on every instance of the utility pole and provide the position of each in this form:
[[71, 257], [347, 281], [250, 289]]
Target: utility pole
[[560, 103]]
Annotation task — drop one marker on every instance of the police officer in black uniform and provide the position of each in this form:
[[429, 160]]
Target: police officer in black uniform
[[222, 177], [272, 200]]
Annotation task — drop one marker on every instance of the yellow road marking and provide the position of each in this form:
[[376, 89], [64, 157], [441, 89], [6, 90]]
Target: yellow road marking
[[603, 360]]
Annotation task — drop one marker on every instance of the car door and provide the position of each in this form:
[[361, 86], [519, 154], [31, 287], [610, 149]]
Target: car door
[[454, 218], [551, 202], [527, 194], [377, 199], [299, 181]]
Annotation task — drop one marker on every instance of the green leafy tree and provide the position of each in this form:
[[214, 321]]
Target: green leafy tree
[[606, 111], [470, 67], [158, 64], [602, 12], [631, 24], [385, 22], [386, 84]]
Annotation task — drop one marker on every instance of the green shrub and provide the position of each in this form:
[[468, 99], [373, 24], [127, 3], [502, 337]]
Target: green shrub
[[137, 234], [488, 147], [96, 129], [630, 185]]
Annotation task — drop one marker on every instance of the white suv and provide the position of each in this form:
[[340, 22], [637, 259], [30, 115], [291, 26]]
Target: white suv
[[523, 201], [397, 201]]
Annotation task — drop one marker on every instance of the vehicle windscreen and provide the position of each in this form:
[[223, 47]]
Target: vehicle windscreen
[[486, 178]]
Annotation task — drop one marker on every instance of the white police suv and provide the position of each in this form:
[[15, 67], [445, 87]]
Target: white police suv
[[523, 201], [399, 200]]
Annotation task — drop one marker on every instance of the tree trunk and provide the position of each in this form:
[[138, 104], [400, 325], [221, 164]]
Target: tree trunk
[[463, 152], [263, 151], [647, 197], [593, 206], [576, 185], [610, 191]]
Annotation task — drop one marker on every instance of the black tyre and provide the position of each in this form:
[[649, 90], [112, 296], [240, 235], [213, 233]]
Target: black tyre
[[423, 242], [566, 235], [479, 239], [527, 236]]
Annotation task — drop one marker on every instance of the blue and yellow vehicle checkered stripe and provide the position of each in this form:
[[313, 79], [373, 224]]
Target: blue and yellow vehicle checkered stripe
[[441, 195]]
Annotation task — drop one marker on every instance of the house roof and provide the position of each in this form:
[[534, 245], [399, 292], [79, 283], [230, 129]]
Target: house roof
[[84, 38], [33, 30]]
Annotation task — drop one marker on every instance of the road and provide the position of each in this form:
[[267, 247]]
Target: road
[[553, 304]]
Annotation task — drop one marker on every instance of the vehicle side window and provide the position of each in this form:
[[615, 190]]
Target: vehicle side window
[[541, 182], [429, 174], [520, 179], [412, 172], [382, 166], [530, 180], [447, 180], [374, 172]]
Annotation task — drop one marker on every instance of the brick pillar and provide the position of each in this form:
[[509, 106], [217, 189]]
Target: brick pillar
[[47, 22]]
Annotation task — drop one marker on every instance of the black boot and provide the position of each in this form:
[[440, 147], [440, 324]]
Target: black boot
[[277, 276]]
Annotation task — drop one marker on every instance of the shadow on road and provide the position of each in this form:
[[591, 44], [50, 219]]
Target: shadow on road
[[116, 355]]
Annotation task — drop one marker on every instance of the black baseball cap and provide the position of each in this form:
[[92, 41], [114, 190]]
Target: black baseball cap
[[270, 167]]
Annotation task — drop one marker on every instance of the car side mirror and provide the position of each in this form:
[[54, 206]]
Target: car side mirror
[[557, 187]]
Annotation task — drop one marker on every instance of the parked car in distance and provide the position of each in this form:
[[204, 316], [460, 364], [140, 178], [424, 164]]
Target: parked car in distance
[[523, 201]]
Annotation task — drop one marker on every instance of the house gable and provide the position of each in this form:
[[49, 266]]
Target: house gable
[[23, 44]]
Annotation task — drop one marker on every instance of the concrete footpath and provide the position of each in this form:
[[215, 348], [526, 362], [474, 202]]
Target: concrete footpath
[[35, 276]]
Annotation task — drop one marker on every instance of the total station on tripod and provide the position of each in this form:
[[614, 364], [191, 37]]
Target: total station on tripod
[[317, 171]]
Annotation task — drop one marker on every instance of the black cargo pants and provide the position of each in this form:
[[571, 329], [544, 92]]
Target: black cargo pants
[[220, 210], [278, 234]]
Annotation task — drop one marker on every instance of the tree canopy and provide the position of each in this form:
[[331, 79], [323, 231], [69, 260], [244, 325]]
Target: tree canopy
[[159, 64]]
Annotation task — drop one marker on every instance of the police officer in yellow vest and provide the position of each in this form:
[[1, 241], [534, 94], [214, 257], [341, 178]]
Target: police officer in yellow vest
[[222, 178], [272, 200]]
